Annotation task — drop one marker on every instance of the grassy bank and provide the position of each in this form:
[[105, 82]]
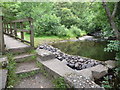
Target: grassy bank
[[45, 39]]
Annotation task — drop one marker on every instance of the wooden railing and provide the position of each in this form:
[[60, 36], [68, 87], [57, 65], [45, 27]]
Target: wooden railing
[[12, 28]]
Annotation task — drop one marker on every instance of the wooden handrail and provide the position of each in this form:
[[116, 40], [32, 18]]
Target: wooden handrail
[[23, 20], [10, 28]]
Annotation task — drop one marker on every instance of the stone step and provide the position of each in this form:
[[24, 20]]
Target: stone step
[[36, 81], [26, 67], [45, 54], [19, 50], [24, 57], [56, 68]]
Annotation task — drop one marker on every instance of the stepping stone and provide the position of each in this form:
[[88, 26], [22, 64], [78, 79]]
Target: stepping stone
[[3, 78], [23, 57], [26, 67]]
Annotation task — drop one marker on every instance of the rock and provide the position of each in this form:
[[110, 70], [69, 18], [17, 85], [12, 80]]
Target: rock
[[76, 65], [3, 62], [60, 58], [86, 73], [110, 64], [99, 71], [71, 65]]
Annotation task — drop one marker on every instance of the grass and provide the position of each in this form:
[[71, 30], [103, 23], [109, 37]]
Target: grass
[[45, 39], [60, 83]]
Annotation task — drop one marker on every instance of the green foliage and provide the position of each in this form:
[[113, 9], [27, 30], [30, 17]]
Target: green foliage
[[12, 77], [76, 31], [113, 46], [42, 69], [47, 24], [28, 74], [60, 83], [61, 31], [68, 18]]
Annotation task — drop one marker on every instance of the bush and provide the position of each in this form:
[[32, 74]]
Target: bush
[[61, 31], [68, 18], [46, 25], [75, 31]]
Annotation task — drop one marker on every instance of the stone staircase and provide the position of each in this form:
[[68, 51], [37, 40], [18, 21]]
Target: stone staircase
[[25, 62]]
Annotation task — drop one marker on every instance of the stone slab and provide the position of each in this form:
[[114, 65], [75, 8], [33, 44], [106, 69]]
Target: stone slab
[[3, 78], [58, 68], [110, 64], [22, 57], [95, 72], [45, 54], [99, 71]]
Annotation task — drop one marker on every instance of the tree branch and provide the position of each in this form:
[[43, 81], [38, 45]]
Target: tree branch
[[115, 9]]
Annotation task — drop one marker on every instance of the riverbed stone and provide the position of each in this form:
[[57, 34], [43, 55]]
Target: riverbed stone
[[99, 71], [110, 64]]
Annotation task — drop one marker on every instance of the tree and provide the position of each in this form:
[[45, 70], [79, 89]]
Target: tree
[[111, 17]]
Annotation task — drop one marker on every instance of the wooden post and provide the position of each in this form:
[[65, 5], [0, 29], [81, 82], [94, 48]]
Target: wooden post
[[11, 29], [22, 33], [15, 29], [1, 36], [31, 34]]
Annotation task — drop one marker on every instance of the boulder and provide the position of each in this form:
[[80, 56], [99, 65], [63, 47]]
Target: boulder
[[110, 64], [99, 71], [86, 73]]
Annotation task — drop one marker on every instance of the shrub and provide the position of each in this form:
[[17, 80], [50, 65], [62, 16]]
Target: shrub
[[61, 31], [46, 25], [75, 31]]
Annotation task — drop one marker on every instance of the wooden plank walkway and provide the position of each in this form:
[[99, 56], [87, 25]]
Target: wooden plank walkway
[[14, 44]]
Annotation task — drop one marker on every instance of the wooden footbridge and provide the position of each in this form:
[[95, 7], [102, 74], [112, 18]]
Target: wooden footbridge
[[12, 35]]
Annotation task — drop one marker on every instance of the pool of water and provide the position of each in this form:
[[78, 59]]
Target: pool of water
[[90, 49]]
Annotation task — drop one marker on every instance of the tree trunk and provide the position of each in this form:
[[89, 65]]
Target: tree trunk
[[111, 19]]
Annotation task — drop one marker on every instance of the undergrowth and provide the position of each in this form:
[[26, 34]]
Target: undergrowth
[[12, 77], [60, 83]]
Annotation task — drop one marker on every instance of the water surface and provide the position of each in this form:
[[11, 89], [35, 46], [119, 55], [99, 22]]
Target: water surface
[[90, 49]]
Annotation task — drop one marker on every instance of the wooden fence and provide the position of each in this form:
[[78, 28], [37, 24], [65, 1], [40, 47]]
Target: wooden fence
[[12, 28]]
